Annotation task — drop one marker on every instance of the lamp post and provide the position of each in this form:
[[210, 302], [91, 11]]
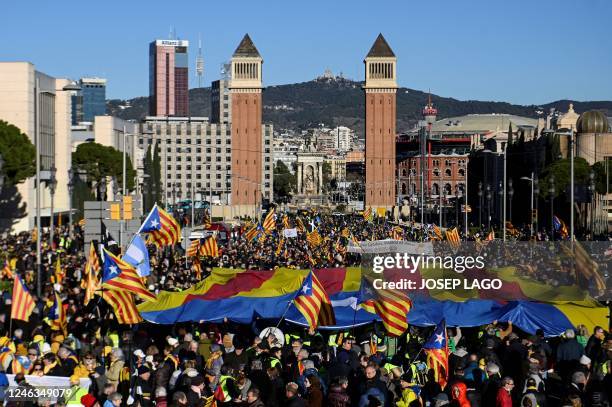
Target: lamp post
[[510, 195], [479, 204], [70, 190], [551, 192], [457, 195], [536, 193], [52, 183], [488, 197], [1, 174], [530, 179], [69, 87], [500, 193], [592, 203]]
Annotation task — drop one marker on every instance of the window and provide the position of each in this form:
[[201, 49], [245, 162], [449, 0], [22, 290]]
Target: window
[[436, 172], [199, 130], [188, 141], [461, 172], [448, 172], [178, 168], [198, 150], [169, 167], [169, 149], [198, 176], [447, 163], [178, 158]]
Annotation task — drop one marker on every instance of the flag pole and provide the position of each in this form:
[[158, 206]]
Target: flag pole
[[297, 292]]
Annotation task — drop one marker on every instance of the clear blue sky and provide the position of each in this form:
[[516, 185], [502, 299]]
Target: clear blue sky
[[520, 51]]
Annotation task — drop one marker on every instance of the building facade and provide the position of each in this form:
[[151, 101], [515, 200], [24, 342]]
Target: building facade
[[30, 99], [168, 78], [196, 158], [90, 101], [246, 126], [380, 121], [221, 108]]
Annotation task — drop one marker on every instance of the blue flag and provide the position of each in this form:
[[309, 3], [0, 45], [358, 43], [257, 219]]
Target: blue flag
[[138, 256]]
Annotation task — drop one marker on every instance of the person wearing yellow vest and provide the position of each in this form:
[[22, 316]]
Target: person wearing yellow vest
[[116, 365], [410, 391], [51, 365], [226, 390], [76, 392]]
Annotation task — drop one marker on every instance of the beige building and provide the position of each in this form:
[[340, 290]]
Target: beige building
[[20, 84], [338, 167]]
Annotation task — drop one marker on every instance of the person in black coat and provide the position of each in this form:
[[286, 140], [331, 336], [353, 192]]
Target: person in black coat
[[594, 349], [293, 399]]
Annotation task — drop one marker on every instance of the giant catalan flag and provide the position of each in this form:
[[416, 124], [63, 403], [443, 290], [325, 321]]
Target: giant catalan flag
[[121, 276], [243, 295], [162, 228]]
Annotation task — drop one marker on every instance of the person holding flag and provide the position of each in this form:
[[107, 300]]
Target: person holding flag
[[436, 349]]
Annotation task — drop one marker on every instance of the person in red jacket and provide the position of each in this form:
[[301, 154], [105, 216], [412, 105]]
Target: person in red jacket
[[504, 398], [459, 395]]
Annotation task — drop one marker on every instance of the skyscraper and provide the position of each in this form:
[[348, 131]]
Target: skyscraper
[[380, 88], [168, 78], [90, 101]]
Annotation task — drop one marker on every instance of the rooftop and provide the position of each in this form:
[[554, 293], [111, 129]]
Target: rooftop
[[246, 48], [380, 48], [482, 123]]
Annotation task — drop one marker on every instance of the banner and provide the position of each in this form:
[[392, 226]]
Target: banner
[[290, 232], [391, 246]]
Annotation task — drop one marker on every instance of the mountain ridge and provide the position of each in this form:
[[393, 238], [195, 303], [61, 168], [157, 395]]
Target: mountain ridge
[[338, 101]]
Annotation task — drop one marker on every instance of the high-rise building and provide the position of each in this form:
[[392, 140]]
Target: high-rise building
[[221, 108], [90, 101], [168, 78], [380, 88], [30, 99], [247, 140]]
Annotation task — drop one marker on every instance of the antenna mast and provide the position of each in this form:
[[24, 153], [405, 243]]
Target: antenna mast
[[199, 62]]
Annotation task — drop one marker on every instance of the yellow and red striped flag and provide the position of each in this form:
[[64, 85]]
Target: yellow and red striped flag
[[299, 225], [119, 275], [22, 303], [81, 223], [314, 238], [392, 306], [314, 304], [123, 305], [206, 220], [193, 248], [269, 223], [368, 215], [252, 233], [345, 233], [197, 268], [279, 247], [209, 247], [452, 236], [162, 228], [57, 315], [91, 282], [286, 222], [6, 271], [397, 233], [436, 349], [490, 236], [437, 232]]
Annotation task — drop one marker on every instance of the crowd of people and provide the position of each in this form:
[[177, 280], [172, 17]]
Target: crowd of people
[[199, 364]]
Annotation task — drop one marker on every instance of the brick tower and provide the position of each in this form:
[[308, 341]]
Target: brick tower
[[247, 145], [380, 88]]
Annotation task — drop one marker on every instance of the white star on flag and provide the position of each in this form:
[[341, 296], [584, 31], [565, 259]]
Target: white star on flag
[[439, 338], [154, 223], [305, 289], [113, 270]]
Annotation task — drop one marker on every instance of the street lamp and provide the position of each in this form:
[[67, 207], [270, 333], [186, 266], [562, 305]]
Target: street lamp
[[536, 194], [69, 87], [531, 180], [500, 193], [551, 192], [70, 190], [52, 183], [592, 202], [510, 195], [479, 204], [1, 174], [488, 197]]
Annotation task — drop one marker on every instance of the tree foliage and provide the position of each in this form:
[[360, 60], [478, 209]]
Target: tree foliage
[[560, 170], [99, 162], [285, 183], [18, 153], [602, 176]]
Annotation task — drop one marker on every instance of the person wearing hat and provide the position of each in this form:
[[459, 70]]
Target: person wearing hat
[[89, 400], [441, 400], [238, 357], [293, 399], [143, 388]]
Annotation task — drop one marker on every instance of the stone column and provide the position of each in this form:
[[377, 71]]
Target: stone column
[[299, 178], [320, 183]]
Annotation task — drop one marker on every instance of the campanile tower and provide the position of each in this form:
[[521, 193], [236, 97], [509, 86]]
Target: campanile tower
[[380, 118], [247, 145]]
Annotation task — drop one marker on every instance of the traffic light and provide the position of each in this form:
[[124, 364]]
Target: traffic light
[[115, 210], [127, 207]]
